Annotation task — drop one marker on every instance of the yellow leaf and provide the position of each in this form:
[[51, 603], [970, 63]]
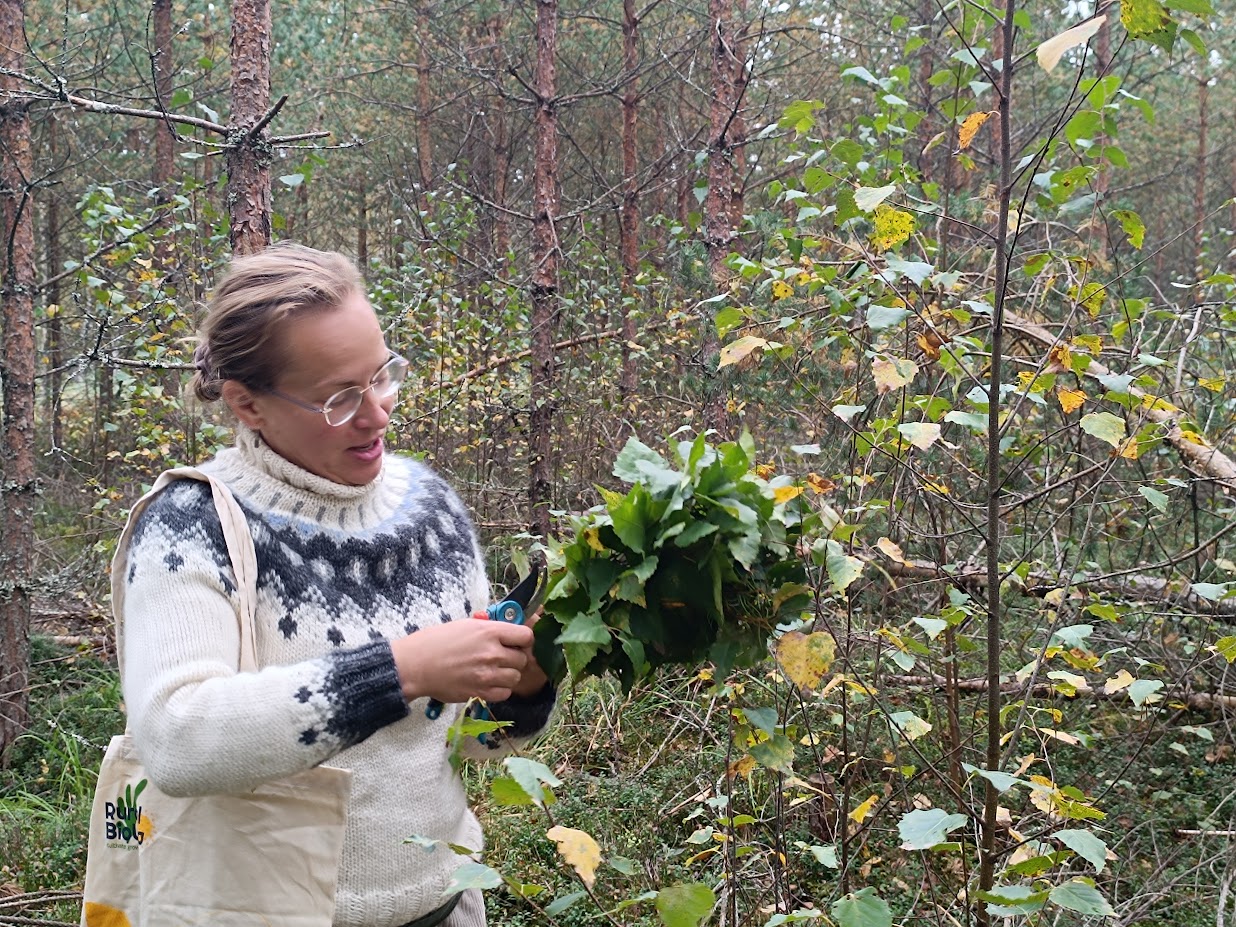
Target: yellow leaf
[[1050, 52], [806, 658], [892, 373], [1062, 736], [1059, 359], [781, 289], [765, 470], [579, 850], [890, 227], [969, 128], [890, 550], [1161, 405], [735, 351], [820, 484], [861, 812], [102, 915], [1193, 437], [786, 493], [593, 537], [744, 767], [1091, 344], [930, 342], [1214, 384], [1070, 399], [1129, 449], [1122, 680]]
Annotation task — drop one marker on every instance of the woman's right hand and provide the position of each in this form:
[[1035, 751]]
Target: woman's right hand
[[460, 660]]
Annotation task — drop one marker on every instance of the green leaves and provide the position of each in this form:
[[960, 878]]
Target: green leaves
[[1081, 896], [685, 905], [1105, 427], [862, 909], [696, 562], [923, 829]]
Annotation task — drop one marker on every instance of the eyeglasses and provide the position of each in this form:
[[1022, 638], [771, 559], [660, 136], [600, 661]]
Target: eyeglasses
[[343, 405]]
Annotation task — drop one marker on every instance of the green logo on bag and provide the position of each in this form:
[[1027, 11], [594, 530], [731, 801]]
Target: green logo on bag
[[124, 818]]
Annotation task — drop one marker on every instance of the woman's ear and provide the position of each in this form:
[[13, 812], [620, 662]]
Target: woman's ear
[[244, 403]]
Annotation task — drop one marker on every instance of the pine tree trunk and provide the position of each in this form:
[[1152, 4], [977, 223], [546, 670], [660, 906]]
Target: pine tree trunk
[[545, 253], [17, 299], [629, 230], [55, 327], [248, 159], [424, 103], [502, 147], [718, 225]]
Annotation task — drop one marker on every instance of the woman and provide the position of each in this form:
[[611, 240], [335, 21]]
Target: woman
[[366, 565]]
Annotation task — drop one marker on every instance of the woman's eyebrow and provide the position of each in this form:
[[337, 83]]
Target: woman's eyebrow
[[339, 383]]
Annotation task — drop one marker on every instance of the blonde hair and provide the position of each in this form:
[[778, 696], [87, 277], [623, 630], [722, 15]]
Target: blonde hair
[[238, 339]]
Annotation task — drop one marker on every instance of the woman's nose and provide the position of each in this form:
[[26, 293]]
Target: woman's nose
[[374, 412]]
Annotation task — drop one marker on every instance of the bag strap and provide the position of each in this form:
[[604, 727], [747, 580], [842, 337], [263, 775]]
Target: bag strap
[[236, 536]]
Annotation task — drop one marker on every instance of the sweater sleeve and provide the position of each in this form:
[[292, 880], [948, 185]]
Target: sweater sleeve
[[200, 725]]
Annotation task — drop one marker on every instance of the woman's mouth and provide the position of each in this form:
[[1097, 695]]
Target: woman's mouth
[[370, 451]]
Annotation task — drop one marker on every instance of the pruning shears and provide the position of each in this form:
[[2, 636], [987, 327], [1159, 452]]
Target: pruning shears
[[520, 602]]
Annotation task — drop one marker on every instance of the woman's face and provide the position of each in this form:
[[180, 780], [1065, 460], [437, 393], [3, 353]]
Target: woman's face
[[325, 352]]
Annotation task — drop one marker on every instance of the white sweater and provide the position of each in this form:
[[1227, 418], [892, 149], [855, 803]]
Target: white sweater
[[342, 570]]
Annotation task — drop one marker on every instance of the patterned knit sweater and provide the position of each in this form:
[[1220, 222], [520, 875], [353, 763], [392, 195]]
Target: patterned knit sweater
[[342, 570]]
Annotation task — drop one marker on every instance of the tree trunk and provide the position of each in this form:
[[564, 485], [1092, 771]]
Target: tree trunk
[[545, 253], [165, 141], [424, 103], [737, 133], [502, 147], [629, 229], [718, 227], [17, 297], [1199, 178], [248, 158], [55, 328]]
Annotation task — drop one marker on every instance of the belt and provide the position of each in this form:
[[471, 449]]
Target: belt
[[437, 916]]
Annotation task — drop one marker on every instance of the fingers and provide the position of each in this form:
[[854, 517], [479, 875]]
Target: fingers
[[463, 659]]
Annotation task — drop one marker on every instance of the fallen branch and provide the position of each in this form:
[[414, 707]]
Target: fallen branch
[[1198, 701], [1210, 461], [1135, 588]]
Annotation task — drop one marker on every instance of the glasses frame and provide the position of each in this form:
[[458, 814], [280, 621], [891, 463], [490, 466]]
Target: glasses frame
[[394, 362]]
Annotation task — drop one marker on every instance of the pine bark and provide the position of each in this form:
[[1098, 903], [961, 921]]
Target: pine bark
[[248, 156], [629, 227], [545, 253], [17, 377], [718, 206]]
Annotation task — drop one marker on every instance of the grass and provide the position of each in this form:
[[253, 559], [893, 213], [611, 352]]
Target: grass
[[646, 776], [48, 786]]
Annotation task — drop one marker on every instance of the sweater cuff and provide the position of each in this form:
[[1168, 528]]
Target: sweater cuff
[[364, 684], [528, 714]]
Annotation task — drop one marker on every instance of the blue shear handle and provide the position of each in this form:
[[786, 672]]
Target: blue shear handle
[[507, 610]]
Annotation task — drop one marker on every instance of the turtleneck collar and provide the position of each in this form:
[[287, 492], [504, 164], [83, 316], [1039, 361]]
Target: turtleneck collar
[[258, 454]]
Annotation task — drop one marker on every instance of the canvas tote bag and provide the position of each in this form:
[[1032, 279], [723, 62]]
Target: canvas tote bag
[[269, 856]]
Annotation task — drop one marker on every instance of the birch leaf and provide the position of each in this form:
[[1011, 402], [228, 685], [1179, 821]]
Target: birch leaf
[[806, 658], [969, 129], [1050, 52], [890, 550], [735, 351], [1104, 426], [868, 198], [892, 373], [579, 850], [921, 434], [1070, 399]]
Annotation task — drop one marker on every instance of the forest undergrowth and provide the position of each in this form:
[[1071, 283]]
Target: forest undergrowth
[[651, 774]]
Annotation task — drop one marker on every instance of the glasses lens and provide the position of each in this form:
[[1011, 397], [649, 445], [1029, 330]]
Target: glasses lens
[[342, 406], [390, 376]]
